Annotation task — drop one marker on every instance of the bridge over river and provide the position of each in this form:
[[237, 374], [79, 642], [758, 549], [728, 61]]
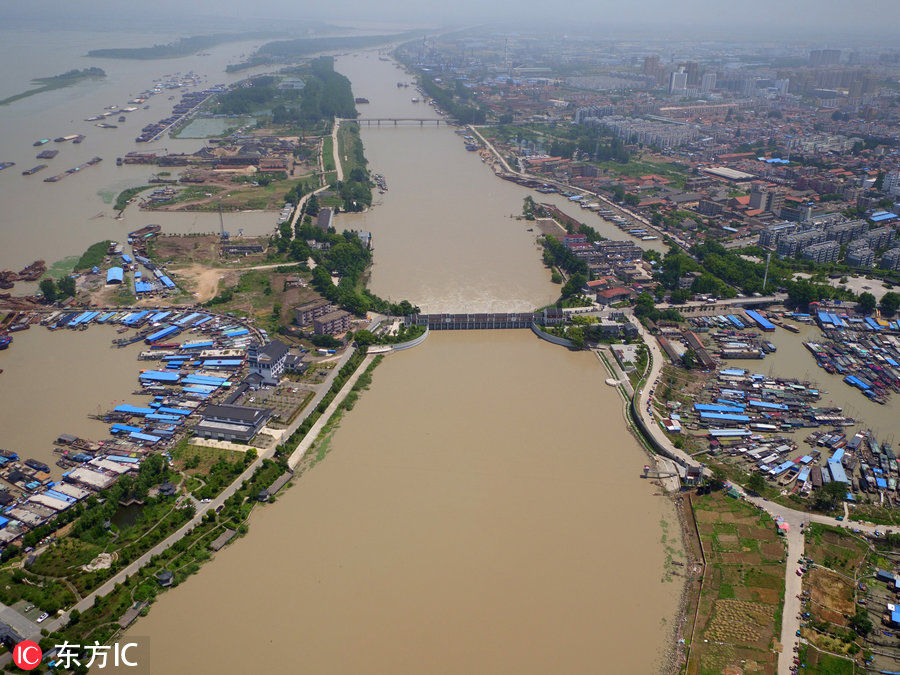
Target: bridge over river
[[396, 121], [486, 321]]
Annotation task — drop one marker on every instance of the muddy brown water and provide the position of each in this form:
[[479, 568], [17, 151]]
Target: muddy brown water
[[479, 510]]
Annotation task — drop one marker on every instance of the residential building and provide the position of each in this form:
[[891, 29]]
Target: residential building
[[824, 57], [890, 260], [304, 314], [268, 361], [861, 257], [845, 232], [771, 235], [791, 245], [333, 323], [879, 237], [823, 252], [708, 82]]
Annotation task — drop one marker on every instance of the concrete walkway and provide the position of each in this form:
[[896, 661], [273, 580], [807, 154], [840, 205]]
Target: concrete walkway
[[320, 423]]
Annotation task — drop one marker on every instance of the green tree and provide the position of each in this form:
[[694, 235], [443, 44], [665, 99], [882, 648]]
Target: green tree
[[574, 285], [827, 497], [48, 288], [312, 205], [66, 286], [860, 622], [756, 483], [890, 302], [866, 303]]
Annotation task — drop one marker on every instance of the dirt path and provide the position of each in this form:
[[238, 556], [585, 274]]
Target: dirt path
[[204, 279]]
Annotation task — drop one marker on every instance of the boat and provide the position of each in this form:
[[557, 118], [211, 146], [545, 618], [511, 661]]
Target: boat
[[415, 100], [790, 327], [5, 341], [121, 118], [47, 154], [78, 139], [34, 169], [6, 165], [43, 141], [649, 237], [105, 125]]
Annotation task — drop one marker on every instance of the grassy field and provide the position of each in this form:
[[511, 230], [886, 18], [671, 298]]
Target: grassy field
[[815, 662], [739, 611], [328, 154], [126, 195], [93, 256]]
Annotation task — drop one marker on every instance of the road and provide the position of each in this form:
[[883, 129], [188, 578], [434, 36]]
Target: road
[[335, 150], [703, 306], [313, 433]]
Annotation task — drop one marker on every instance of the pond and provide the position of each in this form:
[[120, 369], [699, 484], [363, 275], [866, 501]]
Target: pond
[[206, 127], [126, 516]]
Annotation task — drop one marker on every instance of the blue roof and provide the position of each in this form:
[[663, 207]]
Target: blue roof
[[162, 333], [116, 428], [223, 362], [767, 405], [115, 274], [734, 371], [159, 376], [167, 282], [133, 409], [716, 433], [143, 437], [237, 332], [838, 455], [881, 482], [142, 287], [707, 407], [784, 466], [837, 472], [803, 475], [760, 320], [175, 411], [197, 345], [806, 459], [161, 417], [724, 417], [126, 258]]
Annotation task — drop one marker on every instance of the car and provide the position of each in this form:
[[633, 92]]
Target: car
[[799, 572], [206, 500], [798, 633], [28, 608], [42, 617]]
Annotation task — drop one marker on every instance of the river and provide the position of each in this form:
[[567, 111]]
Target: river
[[52, 381], [480, 509], [51, 221], [473, 515]]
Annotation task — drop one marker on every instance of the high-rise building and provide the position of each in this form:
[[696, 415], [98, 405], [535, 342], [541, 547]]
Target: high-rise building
[[824, 57], [708, 82], [651, 65], [678, 82], [692, 68], [891, 185]]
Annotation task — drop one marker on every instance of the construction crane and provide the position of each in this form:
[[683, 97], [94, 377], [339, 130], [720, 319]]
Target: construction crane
[[223, 235]]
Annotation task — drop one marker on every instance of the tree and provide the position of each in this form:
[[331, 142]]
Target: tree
[[48, 288], [756, 483], [574, 285], [827, 497], [66, 286], [890, 302], [365, 338], [718, 478], [866, 303], [312, 205], [860, 622]]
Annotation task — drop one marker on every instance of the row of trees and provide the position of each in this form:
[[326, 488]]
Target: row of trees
[[57, 290], [466, 113]]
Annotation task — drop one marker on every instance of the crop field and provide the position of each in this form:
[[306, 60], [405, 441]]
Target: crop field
[[738, 616]]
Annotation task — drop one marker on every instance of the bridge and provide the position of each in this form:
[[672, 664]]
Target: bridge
[[487, 321], [397, 121]]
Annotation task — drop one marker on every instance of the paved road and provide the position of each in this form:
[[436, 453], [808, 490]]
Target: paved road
[[701, 306], [335, 150]]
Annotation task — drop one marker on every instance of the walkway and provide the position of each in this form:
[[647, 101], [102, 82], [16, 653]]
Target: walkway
[[320, 423], [335, 150]]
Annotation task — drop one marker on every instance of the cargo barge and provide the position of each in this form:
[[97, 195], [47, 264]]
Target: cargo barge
[[34, 169]]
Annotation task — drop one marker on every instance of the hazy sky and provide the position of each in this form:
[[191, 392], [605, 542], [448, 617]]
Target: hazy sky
[[808, 19]]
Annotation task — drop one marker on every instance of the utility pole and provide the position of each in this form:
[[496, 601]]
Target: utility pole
[[766, 276]]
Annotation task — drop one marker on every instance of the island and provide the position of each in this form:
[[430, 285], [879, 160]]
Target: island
[[56, 82]]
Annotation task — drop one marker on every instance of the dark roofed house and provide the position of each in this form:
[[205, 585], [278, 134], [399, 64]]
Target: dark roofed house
[[232, 422], [268, 361], [323, 221], [167, 489], [165, 578]]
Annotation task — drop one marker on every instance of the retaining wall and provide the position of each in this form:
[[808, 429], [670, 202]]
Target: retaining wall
[[544, 335]]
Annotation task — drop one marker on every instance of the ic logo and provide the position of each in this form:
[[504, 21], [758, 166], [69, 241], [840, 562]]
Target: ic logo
[[27, 655]]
